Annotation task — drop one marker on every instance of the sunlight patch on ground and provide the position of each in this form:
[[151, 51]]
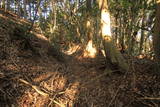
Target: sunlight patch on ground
[[90, 50], [72, 92], [3, 16]]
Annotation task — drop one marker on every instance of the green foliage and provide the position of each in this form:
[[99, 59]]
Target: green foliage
[[71, 18], [129, 15], [125, 4]]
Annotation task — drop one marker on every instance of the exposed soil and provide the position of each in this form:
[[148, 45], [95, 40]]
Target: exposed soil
[[34, 74]]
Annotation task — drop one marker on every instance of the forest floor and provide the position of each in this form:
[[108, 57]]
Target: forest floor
[[32, 76]]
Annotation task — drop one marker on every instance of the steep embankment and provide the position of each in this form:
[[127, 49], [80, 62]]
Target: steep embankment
[[26, 56], [32, 73]]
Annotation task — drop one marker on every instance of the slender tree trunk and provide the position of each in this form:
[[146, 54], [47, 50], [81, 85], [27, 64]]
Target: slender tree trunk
[[122, 35], [25, 8], [55, 15], [112, 54], [120, 30], [15, 6], [53, 19], [88, 21], [91, 52], [19, 7], [123, 38], [8, 4], [30, 11], [88, 3], [116, 30], [142, 37], [3, 4], [131, 35]]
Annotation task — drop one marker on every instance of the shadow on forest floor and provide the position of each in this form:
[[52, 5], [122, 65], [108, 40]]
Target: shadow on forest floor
[[33, 73]]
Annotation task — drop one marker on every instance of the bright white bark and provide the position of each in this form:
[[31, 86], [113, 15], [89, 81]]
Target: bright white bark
[[105, 21]]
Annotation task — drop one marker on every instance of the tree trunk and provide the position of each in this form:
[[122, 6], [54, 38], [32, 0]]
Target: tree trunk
[[116, 30], [25, 8], [3, 4], [91, 51], [55, 15], [112, 54], [8, 4], [30, 11], [156, 35], [122, 33], [142, 37], [15, 6], [19, 7], [88, 20], [88, 4]]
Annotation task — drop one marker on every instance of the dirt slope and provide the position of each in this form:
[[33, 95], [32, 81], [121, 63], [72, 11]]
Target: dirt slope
[[32, 74]]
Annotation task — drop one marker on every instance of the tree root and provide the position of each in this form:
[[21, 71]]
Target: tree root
[[114, 55]]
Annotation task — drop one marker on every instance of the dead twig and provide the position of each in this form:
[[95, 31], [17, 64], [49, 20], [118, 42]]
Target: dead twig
[[1, 75], [38, 90], [150, 98], [116, 93], [15, 64]]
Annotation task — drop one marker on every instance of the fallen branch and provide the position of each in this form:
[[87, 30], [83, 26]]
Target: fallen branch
[[1, 74], [150, 98], [38, 90]]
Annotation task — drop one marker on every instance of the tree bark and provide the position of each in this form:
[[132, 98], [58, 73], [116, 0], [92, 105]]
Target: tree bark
[[8, 4], [142, 37], [112, 54], [156, 35], [3, 4], [25, 8]]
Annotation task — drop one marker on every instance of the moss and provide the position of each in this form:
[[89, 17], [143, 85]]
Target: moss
[[114, 56]]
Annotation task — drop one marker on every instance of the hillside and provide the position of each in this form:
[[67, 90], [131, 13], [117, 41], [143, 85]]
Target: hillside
[[34, 74]]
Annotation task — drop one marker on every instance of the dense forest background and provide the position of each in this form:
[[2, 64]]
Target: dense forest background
[[94, 42], [65, 22]]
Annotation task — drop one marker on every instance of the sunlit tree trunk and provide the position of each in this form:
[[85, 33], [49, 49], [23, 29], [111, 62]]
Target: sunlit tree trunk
[[91, 51], [116, 29], [142, 37], [112, 54], [156, 35], [89, 20], [53, 17], [3, 4], [123, 38], [76, 7], [15, 6], [30, 11]]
